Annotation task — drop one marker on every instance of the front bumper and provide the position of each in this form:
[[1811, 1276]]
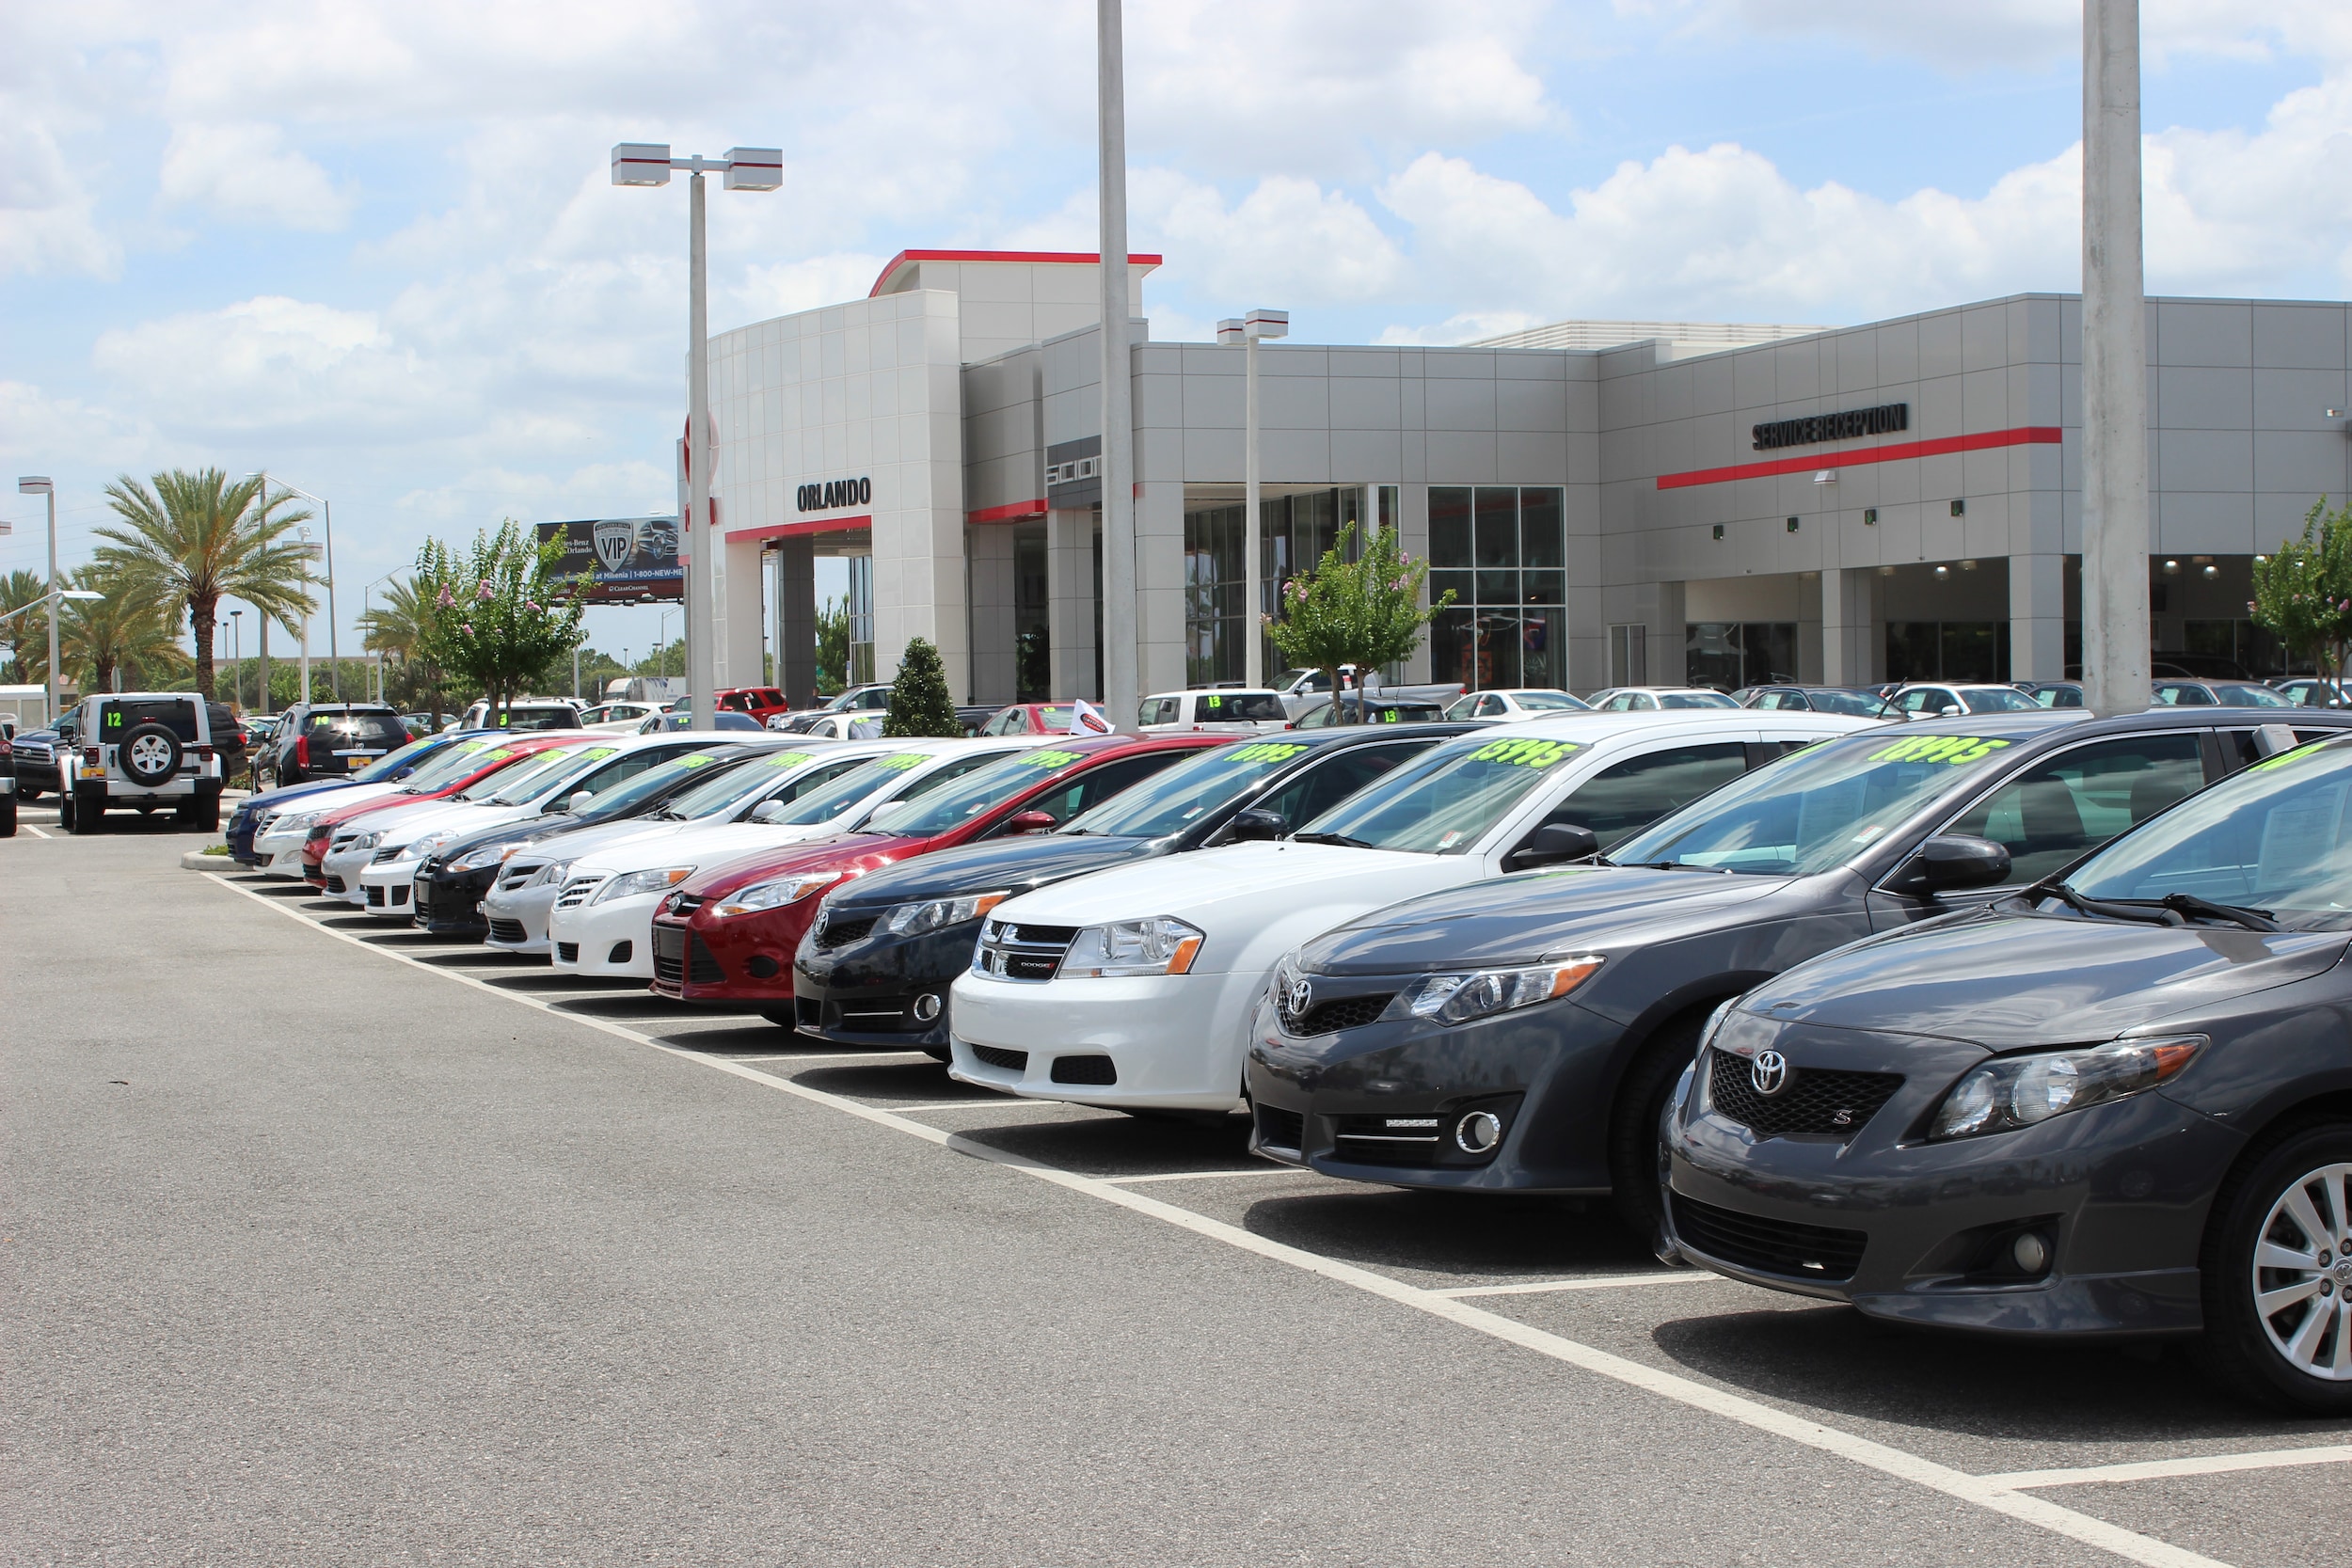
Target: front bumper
[[1384, 1100], [1163, 1041], [517, 917], [451, 902], [1922, 1232], [868, 991], [614, 938], [342, 870], [388, 888]]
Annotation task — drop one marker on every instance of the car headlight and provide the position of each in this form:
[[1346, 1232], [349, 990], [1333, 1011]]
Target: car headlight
[[2011, 1092], [910, 920], [552, 874], [488, 855], [431, 845], [366, 840], [1459, 998], [1161, 945], [630, 883], [773, 896]]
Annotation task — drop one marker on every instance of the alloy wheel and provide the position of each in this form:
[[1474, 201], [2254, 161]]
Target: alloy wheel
[[2302, 1272]]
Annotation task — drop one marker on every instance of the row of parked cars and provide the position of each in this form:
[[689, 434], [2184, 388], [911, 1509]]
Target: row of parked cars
[[2023, 1021]]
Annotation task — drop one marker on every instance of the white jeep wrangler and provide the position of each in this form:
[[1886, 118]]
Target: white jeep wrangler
[[142, 751]]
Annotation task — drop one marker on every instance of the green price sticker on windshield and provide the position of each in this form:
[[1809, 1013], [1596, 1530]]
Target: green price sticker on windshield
[[499, 755], [694, 759], [898, 762], [781, 759], [1954, 750], [2304, 752], [1269, 750], [597, 753], [1526, 754], [1048, 759]]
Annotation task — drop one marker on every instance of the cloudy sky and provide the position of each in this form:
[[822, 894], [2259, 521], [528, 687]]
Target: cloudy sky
[[373, 246]]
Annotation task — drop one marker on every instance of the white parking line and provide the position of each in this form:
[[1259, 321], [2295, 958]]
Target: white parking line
[[2164, 1470], [1271, 1169], [840, 1056], [1008, 1101], [1869, 1454], [35, 832], [1590, 1282]]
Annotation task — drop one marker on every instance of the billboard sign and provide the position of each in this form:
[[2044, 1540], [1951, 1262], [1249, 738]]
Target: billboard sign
[[624, 559]]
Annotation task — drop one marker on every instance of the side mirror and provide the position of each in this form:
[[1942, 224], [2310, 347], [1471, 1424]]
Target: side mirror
[[767, 811], [1949, 862], [1552, 844], [1949, 710], [1030, 822], [579, 802], [1256, 826]]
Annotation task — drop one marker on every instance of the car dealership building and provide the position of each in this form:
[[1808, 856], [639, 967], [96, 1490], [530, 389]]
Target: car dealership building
[[1611, 503]]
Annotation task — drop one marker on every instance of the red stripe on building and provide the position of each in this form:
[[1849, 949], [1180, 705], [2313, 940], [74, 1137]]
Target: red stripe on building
[[1015, 511], [2024, 435], [1083, 258], [794, 530]]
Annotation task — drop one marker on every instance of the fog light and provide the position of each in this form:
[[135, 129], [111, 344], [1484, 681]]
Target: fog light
[[2030, 1253], [1478, 1132], [927, 1006]]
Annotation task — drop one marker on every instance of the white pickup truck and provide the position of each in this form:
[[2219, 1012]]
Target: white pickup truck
[[1298, 688]]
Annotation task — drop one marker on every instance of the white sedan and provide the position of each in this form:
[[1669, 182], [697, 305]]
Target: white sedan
[[1133, 986], [1507, 707], [511, 792], [277, 838], [602, 919]]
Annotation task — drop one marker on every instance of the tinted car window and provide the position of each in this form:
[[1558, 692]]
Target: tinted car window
[[1097, 785], [1175, 800], [1447, 800], [123, 716], [2247, 694], [1696, 699], [2000, 699], [1327, 784], [1628, 796], [2083, 797], [1229, 707], [2181, 695]]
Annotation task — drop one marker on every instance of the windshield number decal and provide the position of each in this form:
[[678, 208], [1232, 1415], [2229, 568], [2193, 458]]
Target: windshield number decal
[[1048, 759], [499, 755], [900, 761], [1526, 754], [1955, 750], [597, 753], [695, 759], [2304, 752], [1269, 750], [781, 759]]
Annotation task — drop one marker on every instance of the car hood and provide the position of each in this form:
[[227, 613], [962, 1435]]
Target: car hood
[[1238, 883], [2005, 980], [1520, 919], [852, 852], [1015, 865], [684, 844]]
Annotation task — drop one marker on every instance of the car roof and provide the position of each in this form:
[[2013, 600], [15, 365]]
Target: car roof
[[1616, 729]]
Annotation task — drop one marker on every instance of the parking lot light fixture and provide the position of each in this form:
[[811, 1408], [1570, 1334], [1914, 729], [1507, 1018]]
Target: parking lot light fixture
[[743, 168], [327, 521], [40, 484], [1246, 331]]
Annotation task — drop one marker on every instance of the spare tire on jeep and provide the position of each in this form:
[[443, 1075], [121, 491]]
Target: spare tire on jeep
[[150, 753]]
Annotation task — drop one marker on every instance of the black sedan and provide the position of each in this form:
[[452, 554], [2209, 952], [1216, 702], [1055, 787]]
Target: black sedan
[[1522, 1035], [876, 965], [2118, 1105]]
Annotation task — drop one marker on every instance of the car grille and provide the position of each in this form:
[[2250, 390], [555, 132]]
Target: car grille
[[684, 904], [1382, 1140], [1280, 1128], [1011, 952], [375, 897], [389, 852], [1815, 1103], [576, 891], [567, 952], [1004, 1061], [508, 930], [33, 750], [679, 957], [1769, 1247], [1323, 1018], [516, 876], [1085, 1070], [840, 933], [334, 884]]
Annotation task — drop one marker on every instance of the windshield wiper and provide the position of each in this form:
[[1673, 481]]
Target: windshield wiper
[[2173, 909], [2190, 903], [1340, 839], [2142, 914]]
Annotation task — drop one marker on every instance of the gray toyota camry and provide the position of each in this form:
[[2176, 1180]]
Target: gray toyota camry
[[2119, 1103]]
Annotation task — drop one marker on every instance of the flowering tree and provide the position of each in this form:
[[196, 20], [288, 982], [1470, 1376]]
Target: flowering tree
[[1362, 612], [2303, 593], [499, 617]]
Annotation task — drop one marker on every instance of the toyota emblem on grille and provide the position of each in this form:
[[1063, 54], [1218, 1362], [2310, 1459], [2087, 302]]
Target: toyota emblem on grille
[[1769, 1072], [1302, 996]]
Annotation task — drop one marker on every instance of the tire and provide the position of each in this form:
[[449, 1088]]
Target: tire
[[2300, 1356], [208, 810], [90, 810], [28, 793], [1633, 1122], [150, 753], [8, 816]]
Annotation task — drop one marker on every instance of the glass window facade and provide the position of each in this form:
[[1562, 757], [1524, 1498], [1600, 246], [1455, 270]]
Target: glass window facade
[[861, 619], [1966, 651], [1502, 549], [1294, 534], [1728, 655]]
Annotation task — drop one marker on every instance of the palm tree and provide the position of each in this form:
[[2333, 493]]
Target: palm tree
[[123, 630], [196, 539], [398, 626], [26, 633]]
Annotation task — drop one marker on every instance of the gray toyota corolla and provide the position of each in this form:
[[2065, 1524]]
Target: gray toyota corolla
[[1522, 1035], [2119, 1103]]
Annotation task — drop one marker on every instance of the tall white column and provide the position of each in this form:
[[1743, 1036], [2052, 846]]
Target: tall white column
[[1848, 620], [2116, 535], [1253, 569], [1119, 690], [702, 573]]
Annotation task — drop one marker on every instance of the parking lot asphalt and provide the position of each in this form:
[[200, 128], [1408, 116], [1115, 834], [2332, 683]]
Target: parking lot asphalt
[[327, 1240]]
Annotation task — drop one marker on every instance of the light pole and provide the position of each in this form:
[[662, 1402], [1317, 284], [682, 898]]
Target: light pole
[[366, 590], [40, 485], [236, 658], [2115, 367], [661, 647], [51, 599], [326, 520], [1121, 678], [310, 552], [746, 168], [1260, 323]]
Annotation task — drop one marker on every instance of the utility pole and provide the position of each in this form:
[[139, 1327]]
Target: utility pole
[[1120, 688], [2116, 535]]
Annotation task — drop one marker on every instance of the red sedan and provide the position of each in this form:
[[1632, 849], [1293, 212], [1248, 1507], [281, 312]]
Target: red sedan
[[429, 785], [728, 934]]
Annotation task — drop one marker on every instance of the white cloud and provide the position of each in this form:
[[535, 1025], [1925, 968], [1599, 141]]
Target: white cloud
[[1971, 34], [46, 215], [1288, 237], [245, 170]]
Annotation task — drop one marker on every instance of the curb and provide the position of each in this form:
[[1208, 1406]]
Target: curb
[[196, 860]]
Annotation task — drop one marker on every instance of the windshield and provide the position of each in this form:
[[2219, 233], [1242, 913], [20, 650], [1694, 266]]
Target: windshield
[[1444, 804], [1998, 699], [735, 786], [630, 793], [1852, 703], [953, 805], [2245, 694], [553, 772], [2270, 838], [1543, 702], [384, 768], [1175, 800], [1813, 809], [1694, 699], [851, 788], [460, 758]]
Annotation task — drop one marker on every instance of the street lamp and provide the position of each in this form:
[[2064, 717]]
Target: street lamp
[[367, 589], [236, 658], [1260, 322], [40, 485], [308, 552], [746, 168], [326, 520]]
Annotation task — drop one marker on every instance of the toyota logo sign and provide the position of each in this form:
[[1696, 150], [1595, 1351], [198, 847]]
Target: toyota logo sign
[[1769, 1072], [1302, 996]]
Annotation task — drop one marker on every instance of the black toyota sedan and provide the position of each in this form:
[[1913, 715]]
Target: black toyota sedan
[[1522, 1035], [876, 966], [2119, 1103]]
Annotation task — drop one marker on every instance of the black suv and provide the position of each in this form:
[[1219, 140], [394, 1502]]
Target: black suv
[[328, 740]]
